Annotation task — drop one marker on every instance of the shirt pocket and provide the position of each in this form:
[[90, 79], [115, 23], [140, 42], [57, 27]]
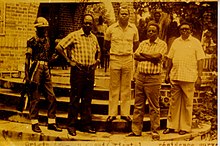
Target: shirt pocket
[[129, 36], [117, 37]]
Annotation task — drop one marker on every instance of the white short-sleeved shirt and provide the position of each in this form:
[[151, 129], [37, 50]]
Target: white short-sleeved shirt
[[121, 40], [184, 55]]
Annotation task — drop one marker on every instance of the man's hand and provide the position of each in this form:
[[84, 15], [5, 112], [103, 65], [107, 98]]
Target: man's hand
[[53, 57], [155, 61], [151, 57], [167, 79], [135, 76], [72, 63], [26, 77], [198, 83], [96, 64], [27, 80]]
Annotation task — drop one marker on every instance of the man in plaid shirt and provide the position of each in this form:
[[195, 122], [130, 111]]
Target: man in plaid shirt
[[149, 56], [84, 46], [185, 62]]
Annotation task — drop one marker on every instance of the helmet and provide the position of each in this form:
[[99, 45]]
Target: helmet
[[41, 22]]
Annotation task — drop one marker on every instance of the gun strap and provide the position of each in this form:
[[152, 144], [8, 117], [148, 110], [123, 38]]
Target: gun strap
[[33, 69]]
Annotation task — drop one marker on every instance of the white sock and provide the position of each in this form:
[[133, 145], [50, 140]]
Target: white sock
[[51, 121], [34, 121]]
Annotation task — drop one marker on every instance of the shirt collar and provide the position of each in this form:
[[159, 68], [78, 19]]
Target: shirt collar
[[40, 39], [188, 39], [156, 41], [81, 32], [117, 24]]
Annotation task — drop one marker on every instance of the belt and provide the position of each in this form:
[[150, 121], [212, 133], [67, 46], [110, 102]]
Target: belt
[[43, 62], [85, 67], [147, 74]]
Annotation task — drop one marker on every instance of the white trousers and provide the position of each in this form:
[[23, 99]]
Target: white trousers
[[181, 106], [120, 84]]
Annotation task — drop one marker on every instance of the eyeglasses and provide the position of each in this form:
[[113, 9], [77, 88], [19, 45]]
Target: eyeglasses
[[87, 23], [184, 29], [124, 14], [152, 31]]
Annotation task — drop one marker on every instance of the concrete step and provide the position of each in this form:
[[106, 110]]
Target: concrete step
[[17, 133], [10, 97], [61, 86], [9, 113], [60, 78]]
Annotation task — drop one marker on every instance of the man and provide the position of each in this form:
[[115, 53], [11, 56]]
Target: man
[[163, 20], [157, 17], [38, 76], [101, 28], [121, 38], [148, 82], [84, 46], [185, 61]]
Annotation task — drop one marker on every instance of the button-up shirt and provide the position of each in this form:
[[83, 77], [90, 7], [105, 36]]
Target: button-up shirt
[[158, 46], [184, 55], [83, 47], [121, 40]]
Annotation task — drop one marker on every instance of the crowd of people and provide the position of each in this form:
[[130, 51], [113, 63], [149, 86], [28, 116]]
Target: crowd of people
[[184, 55]]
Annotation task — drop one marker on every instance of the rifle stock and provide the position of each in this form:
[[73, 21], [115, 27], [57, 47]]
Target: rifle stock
[[25, 93], [24, 98]]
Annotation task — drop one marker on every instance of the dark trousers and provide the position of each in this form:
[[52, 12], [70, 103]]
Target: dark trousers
[[42, 83], [82, 82], [102, 58], [147, 88]]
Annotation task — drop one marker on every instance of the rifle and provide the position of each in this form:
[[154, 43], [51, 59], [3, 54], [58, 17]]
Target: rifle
[[25, 95], [26, 92]]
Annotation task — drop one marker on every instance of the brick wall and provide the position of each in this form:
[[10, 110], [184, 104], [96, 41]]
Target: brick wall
[[19, 18], [66, 22], [79, 12], [198, 94]]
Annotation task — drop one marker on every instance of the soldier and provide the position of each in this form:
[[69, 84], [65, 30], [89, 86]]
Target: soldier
[[38, 75]]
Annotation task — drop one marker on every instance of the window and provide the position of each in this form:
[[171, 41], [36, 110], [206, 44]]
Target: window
[[2, 18]]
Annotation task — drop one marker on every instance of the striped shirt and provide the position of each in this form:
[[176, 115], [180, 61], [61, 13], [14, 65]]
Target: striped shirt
[[148, 67], [83, 47], [121, 40], [184, 55]]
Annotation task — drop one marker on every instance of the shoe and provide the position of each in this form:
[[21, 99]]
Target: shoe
[[36, 128], [72, 131], [89, 130], [132, 134], [54, 127], [168, 130], [182, 132], [111, 118], [126, 118], [155, 136]]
